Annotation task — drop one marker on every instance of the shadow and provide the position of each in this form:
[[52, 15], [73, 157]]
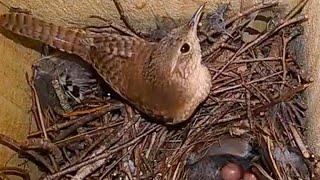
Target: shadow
[[27, 42]]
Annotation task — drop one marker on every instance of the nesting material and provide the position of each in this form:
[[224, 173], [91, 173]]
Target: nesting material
[[251, 124]]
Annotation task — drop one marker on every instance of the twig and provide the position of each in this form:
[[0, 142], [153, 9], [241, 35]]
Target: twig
[[248, 83], [255, 8], [15, 171], [78, 137], [61, 95], [43, 144], [37, 101], [125, 18], [285, 42], [41, 118], [257, 41], [126, 137], [88, 111], [272, 160], [117, 161], [89, 149], [90, 168], [176, 172], [116, 26], [102, 156], [245, 13], [283, 97], [258, 60], [147, 164], [296, 9], [31, 155], [57, 127], [153, 139], [299, 142], [248, 104], [262, 171], [84, 120]]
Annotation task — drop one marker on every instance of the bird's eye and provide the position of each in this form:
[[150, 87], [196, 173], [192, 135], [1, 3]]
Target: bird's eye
[[185, 48]]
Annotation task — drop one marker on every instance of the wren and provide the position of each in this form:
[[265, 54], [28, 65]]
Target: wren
[[164, 80]]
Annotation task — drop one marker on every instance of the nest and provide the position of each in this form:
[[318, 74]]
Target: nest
[[254, 115]]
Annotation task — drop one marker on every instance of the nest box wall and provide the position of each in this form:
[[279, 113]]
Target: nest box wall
[[16, 59]]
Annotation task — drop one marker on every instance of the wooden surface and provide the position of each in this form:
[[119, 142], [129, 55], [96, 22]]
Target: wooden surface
[[313, 61], [17, 59]]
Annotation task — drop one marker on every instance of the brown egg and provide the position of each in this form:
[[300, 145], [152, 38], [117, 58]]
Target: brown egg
[[249, 176], [231, 171]]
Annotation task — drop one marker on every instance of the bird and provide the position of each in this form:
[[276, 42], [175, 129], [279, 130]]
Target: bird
[[164, 80]]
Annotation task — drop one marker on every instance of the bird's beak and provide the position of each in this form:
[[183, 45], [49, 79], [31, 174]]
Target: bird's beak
[[196, 18]]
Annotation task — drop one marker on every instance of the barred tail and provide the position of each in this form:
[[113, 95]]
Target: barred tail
[[64, 39]]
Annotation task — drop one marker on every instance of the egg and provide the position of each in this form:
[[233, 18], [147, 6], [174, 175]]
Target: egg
[[249, 176], [231, 171]]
